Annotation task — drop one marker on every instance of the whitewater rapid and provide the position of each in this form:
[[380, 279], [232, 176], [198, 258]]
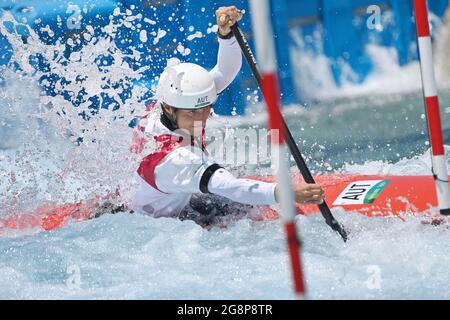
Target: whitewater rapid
[[125, 256]]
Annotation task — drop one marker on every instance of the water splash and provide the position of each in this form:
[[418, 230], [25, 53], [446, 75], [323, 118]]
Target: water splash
[[66, 109]]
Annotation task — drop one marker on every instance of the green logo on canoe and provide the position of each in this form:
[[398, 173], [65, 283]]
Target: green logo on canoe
[[375, 191]]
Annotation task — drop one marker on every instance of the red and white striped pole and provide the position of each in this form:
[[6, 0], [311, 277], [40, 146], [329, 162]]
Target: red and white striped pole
[[265, 50], [432, 106]]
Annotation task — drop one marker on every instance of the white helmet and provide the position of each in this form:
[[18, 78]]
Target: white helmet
[[186, 86]]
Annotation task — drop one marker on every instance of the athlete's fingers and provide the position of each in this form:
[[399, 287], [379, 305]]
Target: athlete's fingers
[[315, 188], [313, 192], [236, 15], [309, 198], [315, 197], [228, 15]]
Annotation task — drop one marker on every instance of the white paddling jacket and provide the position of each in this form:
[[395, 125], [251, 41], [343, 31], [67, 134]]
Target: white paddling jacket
[[167, 177]]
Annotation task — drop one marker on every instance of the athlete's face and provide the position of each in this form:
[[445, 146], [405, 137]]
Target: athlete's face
[[192, 121]]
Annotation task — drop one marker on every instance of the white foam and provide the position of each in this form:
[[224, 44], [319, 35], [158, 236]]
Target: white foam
[[314, 79], [169, 259], [158, 36]]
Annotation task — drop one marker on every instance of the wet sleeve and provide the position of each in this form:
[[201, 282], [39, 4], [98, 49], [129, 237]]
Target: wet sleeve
[[182, 170], [229, 62], [245, 191]]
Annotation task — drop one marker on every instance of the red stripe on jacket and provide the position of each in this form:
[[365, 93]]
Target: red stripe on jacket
[[148, 165]]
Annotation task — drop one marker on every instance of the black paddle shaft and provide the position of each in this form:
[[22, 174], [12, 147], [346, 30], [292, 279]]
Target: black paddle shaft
[[299, 160]]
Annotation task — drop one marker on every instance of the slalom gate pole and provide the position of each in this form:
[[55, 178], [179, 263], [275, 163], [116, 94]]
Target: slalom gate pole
[[439, 163], [268, 94], [269, 86]]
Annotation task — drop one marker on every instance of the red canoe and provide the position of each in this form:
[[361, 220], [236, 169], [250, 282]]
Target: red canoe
[[373, 196]]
